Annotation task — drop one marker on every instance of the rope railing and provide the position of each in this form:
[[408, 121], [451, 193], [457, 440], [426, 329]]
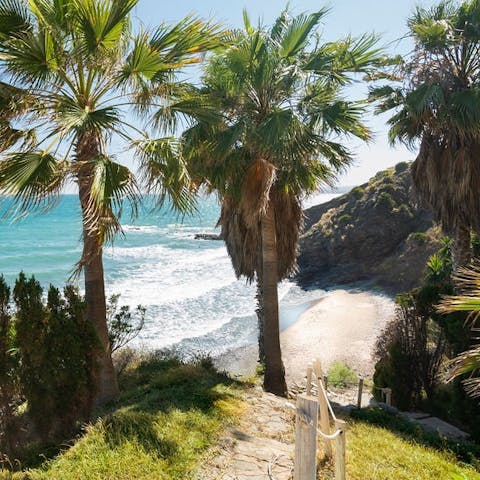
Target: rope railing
[[307, 432], [306, 419]]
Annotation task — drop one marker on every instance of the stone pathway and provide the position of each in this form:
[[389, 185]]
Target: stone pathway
[[261, 446], [255, 450]]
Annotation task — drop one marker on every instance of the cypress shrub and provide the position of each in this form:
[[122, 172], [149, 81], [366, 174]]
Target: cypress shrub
[[55, 343]]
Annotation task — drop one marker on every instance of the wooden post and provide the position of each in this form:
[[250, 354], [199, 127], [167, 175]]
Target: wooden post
[[306, 438], [324, 417], [388, 396], [309, 379], [340, 449], [360, 392], [318, 368]]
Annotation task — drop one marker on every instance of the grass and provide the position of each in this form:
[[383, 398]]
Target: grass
[[383, 446], [375, 453], [168, 415], [340, 375]]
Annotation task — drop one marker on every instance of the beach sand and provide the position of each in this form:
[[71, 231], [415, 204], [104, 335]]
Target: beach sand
[[343, 325]]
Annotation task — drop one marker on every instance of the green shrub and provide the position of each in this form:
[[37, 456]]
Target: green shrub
[[123, 324], [410, 352], [340, 375], [404, 210], [387, 187], [386, 201], [55, 342], [344, 219], [8, 380], [401, 167], [420, 238], [358, 192]]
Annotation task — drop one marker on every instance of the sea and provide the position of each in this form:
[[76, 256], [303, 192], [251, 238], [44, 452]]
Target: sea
[[194, 303]]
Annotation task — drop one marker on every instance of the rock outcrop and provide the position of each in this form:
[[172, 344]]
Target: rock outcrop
[[377, 232]]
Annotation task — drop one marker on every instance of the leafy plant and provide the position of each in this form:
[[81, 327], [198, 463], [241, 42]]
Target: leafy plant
[[344, 219], [386, 201], [8, 373], [418, 237], [123, 324], [410, 352], [55, 343], [340, 375]]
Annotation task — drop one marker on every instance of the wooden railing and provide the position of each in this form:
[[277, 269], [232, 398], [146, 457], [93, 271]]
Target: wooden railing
[[307, 431]]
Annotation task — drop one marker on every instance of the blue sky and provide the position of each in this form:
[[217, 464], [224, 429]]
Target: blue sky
[[385, 17]]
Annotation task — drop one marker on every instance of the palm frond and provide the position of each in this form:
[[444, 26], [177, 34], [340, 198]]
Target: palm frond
[[185, 42], [31, 181], [102, 24], [298, 32], [30, 56], [164, 172], [14, 18], [111, 186]]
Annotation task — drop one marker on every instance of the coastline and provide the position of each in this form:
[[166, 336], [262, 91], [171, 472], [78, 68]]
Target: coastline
[[342, 325]]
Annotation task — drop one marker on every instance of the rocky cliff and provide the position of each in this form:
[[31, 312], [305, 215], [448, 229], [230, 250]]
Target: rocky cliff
[[377, 232]]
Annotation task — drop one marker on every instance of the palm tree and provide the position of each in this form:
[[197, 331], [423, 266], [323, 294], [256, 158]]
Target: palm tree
[[468, 301], [280, 116], [92, 82], [438, 105]]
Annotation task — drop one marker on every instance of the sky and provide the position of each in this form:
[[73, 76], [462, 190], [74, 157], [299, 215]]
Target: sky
[[384, 17]]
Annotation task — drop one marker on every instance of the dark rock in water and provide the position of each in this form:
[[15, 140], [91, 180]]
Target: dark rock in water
[[377, 232], [208, 236]]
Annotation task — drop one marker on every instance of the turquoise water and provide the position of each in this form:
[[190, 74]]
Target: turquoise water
[[192, 297]]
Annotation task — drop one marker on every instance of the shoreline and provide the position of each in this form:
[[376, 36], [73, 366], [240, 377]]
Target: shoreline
[[342, 325]]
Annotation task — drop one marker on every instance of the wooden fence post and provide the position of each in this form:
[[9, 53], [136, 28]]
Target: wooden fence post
[[318, 368], [309, 379], [360, 392], [324, 417], [306, 438], [388, 396], [340, 449]]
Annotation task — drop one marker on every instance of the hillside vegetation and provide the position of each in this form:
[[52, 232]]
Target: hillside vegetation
[[377, 232]]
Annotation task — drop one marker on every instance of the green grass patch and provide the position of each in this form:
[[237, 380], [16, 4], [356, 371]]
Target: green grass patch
[[340, 375], [168, 415], [420, 238], [344, 219], [457, 451], [375, 453]]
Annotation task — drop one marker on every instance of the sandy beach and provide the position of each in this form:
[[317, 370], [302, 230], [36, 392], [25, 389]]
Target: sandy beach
[[343, 325]]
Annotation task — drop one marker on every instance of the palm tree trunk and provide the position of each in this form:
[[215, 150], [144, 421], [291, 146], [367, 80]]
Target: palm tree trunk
[[106, 385], [461, 248], [260, 307], [274, 379]]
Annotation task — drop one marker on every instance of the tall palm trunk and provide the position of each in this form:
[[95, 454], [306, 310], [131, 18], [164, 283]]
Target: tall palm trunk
[[461, 247], [106, 385], [274, 379], [260, 310]]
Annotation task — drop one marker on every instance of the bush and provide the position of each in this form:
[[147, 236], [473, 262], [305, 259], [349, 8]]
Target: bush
[[123, 324], [8, 380], [404, 210], [420, 238], [401, 167], [358, 192], [409, 352], [55, 342], [340, 375], [386, 201], [344, 219]]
